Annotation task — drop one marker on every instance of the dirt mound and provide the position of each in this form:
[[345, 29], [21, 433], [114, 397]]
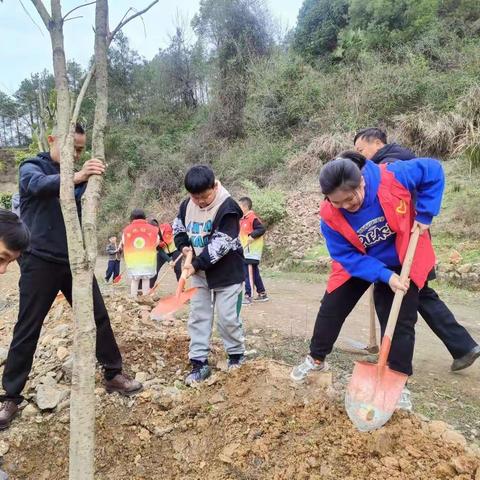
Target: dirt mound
[[252, 423]]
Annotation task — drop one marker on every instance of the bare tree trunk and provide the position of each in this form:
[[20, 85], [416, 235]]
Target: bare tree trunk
[[42, 131]]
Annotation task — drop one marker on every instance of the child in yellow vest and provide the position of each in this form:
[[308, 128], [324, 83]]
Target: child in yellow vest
[[251, 237]]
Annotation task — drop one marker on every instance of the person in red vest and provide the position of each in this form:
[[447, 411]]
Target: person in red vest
[[166, 250], [366, 220]]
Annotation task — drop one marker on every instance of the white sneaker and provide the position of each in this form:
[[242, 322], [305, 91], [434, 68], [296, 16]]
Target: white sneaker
[[405, 402], [309, 364]]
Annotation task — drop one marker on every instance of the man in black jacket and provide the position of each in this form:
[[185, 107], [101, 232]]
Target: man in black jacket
[[45, 270], [372, 143]]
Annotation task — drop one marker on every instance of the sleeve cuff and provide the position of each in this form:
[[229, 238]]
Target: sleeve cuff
[[424, 218], [385, 275], [196, 264]]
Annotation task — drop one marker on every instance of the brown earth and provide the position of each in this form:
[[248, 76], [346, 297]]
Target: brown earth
[[253, 423]]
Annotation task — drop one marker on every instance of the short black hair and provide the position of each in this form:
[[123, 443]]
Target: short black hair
[[199, 178], [13, 232], [371, 133], [247, 201], [137, 214], [153, 221], [79, 129]]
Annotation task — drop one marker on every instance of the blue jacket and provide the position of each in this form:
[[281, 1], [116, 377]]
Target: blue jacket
[[39, 186], [425, 177]]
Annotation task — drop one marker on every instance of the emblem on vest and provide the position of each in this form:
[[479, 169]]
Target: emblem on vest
[[402, 207]]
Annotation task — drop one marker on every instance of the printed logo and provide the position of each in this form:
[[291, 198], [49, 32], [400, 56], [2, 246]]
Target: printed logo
[[199, 233], [402, 207]]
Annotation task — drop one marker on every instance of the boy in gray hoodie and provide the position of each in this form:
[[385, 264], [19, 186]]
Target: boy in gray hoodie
[[208, 223]]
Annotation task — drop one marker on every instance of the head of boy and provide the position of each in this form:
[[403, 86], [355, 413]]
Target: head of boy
[[112, 239], [137, 214], [342, 182], [14, 238], [79, 142], [245, 204], [368, 141], [200, 183]]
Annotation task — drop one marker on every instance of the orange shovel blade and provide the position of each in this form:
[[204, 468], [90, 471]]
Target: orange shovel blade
[[372, 395], [117, 279], [172, 303]]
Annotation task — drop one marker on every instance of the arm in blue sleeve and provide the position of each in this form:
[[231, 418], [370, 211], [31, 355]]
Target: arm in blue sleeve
[[357, 264], [424, 176], [36, 183]]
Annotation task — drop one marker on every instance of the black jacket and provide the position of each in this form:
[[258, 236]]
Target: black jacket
[[222, 258], [39, 186], [392, 152]]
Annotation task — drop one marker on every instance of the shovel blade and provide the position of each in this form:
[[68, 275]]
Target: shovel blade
[[171, 304], [117, 279], [372, 395]]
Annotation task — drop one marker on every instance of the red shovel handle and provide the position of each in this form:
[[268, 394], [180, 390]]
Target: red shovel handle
[[397, 299]]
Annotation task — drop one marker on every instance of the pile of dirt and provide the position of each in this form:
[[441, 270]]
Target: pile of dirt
[[252, 423]]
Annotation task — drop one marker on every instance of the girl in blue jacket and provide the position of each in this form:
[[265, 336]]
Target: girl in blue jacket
[[367, 218]]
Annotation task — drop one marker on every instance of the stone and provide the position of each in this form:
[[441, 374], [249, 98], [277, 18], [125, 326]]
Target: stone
[[48, 380], [160, 432], [227, 453], [455, 438], [4, 448], [62, 353], [3, 355], [141, 377], [29, 411], [67, 367], [381, 442], [466, 268], [217, 398], [3, 475], [444, 470], [437, 428], [465, 464], [390, 462], [48, 397]]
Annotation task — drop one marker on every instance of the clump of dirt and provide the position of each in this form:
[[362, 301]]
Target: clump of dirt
[[251, 423]]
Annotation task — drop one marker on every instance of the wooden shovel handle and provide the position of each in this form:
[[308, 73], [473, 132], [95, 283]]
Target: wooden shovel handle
[[183, 278], [373, 324], [397, 299]]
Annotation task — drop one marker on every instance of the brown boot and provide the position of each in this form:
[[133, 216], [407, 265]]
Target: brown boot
[[8, 410], [123, 385]]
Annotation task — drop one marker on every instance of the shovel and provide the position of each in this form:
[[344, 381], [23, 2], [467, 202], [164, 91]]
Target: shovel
[[159, 280], [171, 304], [374, 389], [372, 344]]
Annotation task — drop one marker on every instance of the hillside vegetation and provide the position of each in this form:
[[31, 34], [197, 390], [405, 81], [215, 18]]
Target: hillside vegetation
[[266, 109]]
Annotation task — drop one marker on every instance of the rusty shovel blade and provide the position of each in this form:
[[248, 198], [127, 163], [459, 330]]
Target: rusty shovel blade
[[372, 395]]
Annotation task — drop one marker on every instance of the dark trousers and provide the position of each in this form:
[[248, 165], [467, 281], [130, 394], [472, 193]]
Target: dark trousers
[[443, 323], [161, 261], [337, 305], [40, 282], [257, 280], [113, 269]]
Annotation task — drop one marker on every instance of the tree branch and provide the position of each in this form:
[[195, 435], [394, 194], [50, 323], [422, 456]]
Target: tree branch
[[30, 17], [43, 12], [124, 20], [76, 8], [81, 94]]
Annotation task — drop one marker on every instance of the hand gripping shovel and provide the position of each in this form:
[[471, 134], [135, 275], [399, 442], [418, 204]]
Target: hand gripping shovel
[[374, 390], [171, 304]]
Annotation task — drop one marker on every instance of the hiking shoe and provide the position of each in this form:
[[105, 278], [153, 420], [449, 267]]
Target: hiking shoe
[[405, 402], [262, 297], [200, 372], [123, 385], [8, 410], [309, 364], [466, 360], [235, 361], [247, 300]]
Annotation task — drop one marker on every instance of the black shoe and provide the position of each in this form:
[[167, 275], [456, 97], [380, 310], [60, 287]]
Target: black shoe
[[466, 360]]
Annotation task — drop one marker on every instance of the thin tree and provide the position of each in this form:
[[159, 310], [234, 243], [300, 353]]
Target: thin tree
[[82, 239]]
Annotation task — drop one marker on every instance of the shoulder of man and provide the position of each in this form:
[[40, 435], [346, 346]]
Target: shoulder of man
[[42, 160]]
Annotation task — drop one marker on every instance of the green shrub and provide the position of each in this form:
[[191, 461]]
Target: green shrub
[[268, 203], [6, 201]]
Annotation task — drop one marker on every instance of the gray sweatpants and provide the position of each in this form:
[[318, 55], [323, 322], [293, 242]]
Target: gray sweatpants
[[228, 301]]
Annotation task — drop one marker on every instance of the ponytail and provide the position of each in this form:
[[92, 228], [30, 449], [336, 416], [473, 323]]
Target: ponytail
[[343, 172]]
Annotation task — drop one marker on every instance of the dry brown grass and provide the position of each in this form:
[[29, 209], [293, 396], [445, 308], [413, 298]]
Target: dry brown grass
[[321, 150]]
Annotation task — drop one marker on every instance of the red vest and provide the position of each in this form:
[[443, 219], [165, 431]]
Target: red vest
[[246, 223], [396, 203]]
